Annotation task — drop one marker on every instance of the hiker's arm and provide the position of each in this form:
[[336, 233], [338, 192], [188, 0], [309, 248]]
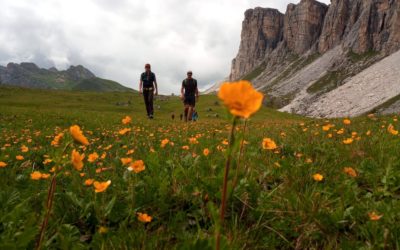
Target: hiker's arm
[[182, 92], [197, 93], [155, 87], [140, 86]]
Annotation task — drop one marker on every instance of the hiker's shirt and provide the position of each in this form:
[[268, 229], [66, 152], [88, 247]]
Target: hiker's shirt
[[190, 86], [148, 79]]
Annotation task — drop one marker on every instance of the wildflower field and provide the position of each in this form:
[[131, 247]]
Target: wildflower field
[[78, 171]]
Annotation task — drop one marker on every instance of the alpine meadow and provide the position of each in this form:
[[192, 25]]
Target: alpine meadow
[[200, 125], [78, 176]]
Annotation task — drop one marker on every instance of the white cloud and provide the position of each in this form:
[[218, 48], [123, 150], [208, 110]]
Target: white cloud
[[115, 39]]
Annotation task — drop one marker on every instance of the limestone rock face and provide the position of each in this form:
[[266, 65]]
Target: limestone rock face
[[303, 24], [261, 33]]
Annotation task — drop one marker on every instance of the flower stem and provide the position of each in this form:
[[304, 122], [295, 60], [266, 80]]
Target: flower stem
[[225, 184], [240, 157]]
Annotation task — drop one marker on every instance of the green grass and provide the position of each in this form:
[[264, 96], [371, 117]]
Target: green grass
[[254, 73], [328, 82], [355, 57], [276, 203]]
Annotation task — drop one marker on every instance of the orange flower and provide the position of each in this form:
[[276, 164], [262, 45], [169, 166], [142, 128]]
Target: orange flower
[[45, 176], [77, 160], [126, 120], [206, 151], [318, 177], [348, 141], [346, 122], [186, 147], [100, 187], [36, 175], [78, 136], [193, 140], [24, 149], [126, 161], [374, 216], [47, 161], [350, 171], [240, 98], [93, 157], [392, 130], [89, 182], [268, 144], [3, 164], [145, 218], [124, 131], [57, 139], [19, 157], [137, 166], [130, 152], [340, 131], [164, 143]]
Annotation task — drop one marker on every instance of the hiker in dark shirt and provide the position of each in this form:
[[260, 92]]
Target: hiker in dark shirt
[[189, 95], [148, 87]]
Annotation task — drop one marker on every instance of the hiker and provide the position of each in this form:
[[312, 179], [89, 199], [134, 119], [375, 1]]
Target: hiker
[[189, 95], [148, 87], [173, 116]]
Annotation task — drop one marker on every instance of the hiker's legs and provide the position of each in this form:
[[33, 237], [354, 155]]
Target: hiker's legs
[[186, 112], [190, 112], [146, 101], [151, 110]]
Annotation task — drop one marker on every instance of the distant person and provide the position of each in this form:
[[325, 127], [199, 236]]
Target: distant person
[[173, 116], [148, 87], [181, 116], [189, 94]]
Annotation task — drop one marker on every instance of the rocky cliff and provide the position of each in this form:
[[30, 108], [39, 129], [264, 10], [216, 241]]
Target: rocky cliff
[[29, 75], [312, 49]]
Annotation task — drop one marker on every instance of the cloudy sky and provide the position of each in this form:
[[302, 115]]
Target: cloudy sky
[[114, 39]]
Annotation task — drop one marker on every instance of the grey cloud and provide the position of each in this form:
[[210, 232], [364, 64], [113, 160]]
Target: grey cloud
[[114, 39]]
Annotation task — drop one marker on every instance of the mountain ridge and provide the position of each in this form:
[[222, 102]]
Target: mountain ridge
[[79, 78], [314, 48]]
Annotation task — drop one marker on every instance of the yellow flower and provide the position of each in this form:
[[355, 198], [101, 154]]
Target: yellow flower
[[240, 98], [126, 161], [3, 164], [268, 144], [348, 141], [101, 186], [145, 218], [77, 160], [206, 152], [124, 131], [103, 230], [89, 182], [392, 130], [137, 166], [374, 216], [346, 122], [126, 120], [93, 157], [350, 171], [36, 175], [340, 131], [24, 149], [19, 157], [78, 136], [318, 177]]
